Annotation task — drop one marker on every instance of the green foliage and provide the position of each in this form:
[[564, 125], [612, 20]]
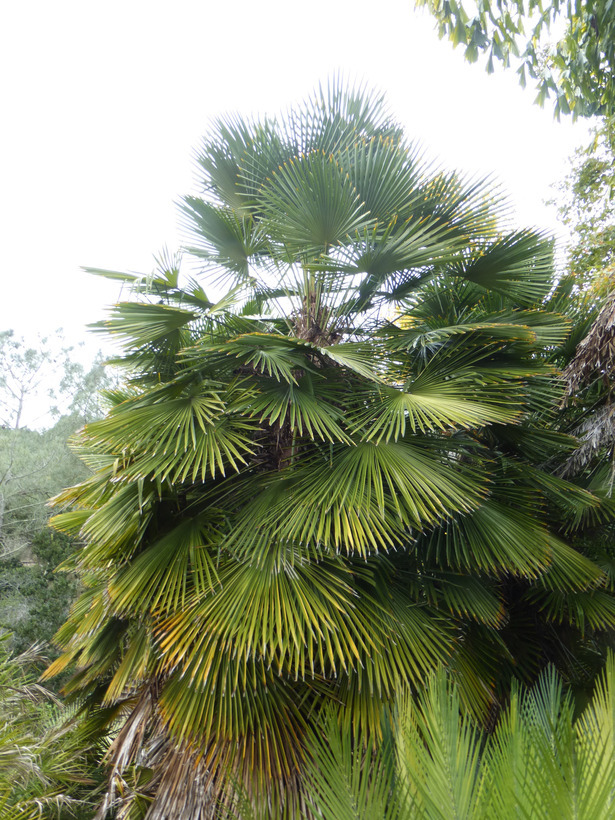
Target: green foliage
[[586, 207], [338, 477], [34, 465], [540, 761], [45, 759], [576, 69], [34, 599]]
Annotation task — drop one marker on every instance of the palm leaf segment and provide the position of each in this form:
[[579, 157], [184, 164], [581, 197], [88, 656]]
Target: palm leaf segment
[[436, 762], [306, 495]]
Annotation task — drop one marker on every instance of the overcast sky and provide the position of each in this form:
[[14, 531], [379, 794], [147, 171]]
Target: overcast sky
[[103, 103]]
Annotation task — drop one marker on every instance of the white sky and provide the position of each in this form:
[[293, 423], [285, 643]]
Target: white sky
[[103, 103]]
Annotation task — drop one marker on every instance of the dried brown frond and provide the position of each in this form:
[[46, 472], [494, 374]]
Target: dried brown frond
[[188, 781], [126, 749], [595, 355], [595, 433]]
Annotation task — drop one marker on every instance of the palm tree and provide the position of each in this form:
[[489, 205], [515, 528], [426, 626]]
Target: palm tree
[[317, 488]]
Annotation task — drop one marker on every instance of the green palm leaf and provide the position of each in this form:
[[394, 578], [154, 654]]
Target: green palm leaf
[[177, 431], [452, 389], [252, 722], [439, 755], [225, 238], [385, 175], [349, 781], [142, 323], [370, 496], [463, 596], [496, 538], [271, 354], [311, 204], [168, 572], [302, 406], [518, 266], [306, 621]]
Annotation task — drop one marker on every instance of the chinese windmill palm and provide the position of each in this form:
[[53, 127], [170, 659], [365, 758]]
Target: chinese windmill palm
[[305, 494]]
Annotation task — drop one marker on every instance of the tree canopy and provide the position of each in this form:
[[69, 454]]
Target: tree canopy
[[566, 49], [586, 207], [316, 489], [586, 204]]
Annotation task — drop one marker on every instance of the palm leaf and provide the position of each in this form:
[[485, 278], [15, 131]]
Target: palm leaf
[[141, 323], [463, 596], [252, 722], [302, 406], [311, 204], [306, 621], [585, 609], [451, 390], [518, 266], [354, 356], [224, 237], [384, 174], [178, 431], [347, 780], [369, 497], [496, 538], [439, 755], [169, 571], [271, 354]]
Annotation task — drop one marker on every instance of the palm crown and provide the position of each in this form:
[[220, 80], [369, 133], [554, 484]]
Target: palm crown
[[325, 484]]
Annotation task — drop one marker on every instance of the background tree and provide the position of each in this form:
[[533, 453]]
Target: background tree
[[45, 395], [588, 356], [315, 491], [586, 206], [575, 67], [35, 599]]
